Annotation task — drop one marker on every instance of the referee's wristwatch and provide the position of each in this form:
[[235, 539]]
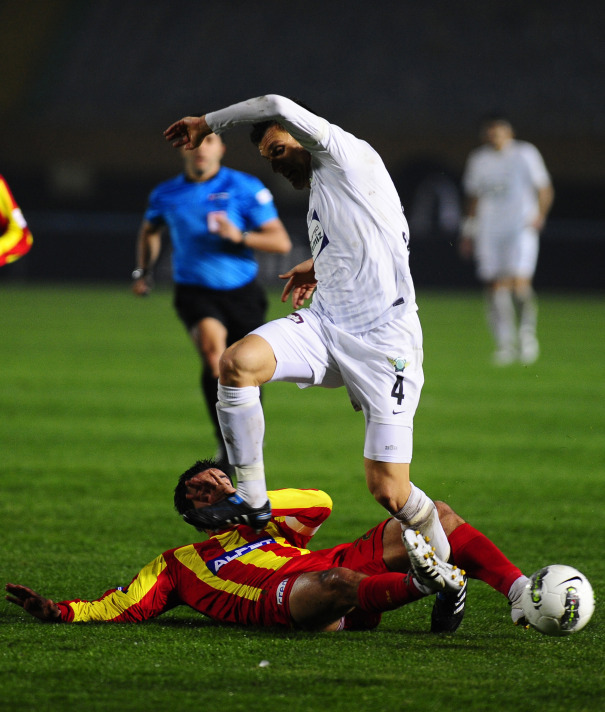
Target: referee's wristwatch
[[139, 273]]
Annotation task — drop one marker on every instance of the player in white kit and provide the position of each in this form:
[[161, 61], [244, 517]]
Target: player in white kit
[[509, 195], [361, 329]]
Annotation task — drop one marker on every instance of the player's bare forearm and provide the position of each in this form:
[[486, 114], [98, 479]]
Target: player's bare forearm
[[546, 197], [189, 132], [149, 244], [271, 237], [468, 229], [466, 248]]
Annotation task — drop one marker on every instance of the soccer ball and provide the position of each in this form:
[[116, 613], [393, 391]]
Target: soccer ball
[[557, 600]]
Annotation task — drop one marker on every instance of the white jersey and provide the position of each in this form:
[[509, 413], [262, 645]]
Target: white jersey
[[357, 230], [505, 184]]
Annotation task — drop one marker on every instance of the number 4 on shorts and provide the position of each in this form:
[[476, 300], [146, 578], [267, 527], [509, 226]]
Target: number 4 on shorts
[[397, 391]]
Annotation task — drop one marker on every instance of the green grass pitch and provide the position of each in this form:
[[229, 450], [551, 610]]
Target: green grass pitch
[[100, 411]]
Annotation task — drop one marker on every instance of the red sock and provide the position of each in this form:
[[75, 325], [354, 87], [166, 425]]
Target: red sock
[[385, 592], [481, 558]]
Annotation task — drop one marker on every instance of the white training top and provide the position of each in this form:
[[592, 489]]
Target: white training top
[[506, 184], [357, 230]]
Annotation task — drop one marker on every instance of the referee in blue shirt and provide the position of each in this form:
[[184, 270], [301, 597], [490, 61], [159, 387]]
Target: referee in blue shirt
[[216, 217]]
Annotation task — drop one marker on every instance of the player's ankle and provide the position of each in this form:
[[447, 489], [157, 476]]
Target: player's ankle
[[250, 486]]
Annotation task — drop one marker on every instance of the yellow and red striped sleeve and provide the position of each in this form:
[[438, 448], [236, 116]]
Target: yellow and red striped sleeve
[[300, 512], [146, 597], [15, 236]]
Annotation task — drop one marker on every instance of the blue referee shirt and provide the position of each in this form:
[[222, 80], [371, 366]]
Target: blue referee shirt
[[199, 256]]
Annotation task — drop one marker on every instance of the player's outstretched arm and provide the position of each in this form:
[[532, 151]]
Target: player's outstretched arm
[[271, 236], [149, 245], [188, 132], [32, 602]]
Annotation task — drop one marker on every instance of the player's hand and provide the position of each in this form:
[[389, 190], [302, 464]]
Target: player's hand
[[32, 602], [141, 287], [301, 283], [466, 248], [189, 132], [210, 486], [538, 223], [227, 230]]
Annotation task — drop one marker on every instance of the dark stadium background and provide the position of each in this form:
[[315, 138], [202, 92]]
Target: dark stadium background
[[87, 88]]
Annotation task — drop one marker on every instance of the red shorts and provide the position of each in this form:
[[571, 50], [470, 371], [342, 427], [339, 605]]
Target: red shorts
[[363, 555], [274, 603]]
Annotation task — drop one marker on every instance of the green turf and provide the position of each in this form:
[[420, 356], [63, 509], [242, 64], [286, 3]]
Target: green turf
[[100, 411]]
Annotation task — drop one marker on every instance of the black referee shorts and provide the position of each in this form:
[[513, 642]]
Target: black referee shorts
[[239, 310]]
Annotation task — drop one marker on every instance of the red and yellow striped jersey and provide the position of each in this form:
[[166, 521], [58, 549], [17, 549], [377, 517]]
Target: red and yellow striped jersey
[[15, 237], [225, 577]]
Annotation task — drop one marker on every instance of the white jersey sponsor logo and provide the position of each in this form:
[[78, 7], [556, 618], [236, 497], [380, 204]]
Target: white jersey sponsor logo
[[317, 236], [280, 592], [215, 564]]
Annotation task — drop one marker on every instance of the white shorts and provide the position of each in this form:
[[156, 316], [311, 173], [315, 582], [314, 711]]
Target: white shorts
[[381, 370], [507, 255]]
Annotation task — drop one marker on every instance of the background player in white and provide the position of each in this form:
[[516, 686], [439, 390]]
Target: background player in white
[[362, 329], [509, 195]]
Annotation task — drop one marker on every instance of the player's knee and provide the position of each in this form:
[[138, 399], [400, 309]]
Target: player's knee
[[248, 362], [448, 518], [523, 291], [339, 585], [230, 366], [387, 500]]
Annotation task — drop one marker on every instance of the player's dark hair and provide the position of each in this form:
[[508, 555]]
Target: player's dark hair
[[259, 129], [181, 503], [495, 117]]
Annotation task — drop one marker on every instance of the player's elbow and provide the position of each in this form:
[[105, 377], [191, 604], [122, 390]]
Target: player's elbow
[[273, 105]]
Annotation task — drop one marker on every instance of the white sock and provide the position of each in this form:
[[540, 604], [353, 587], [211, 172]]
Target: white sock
[[251, 485], [242, 422], [528, 314], [514, 596], [501, 316], [419, 512], [514, 592]]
